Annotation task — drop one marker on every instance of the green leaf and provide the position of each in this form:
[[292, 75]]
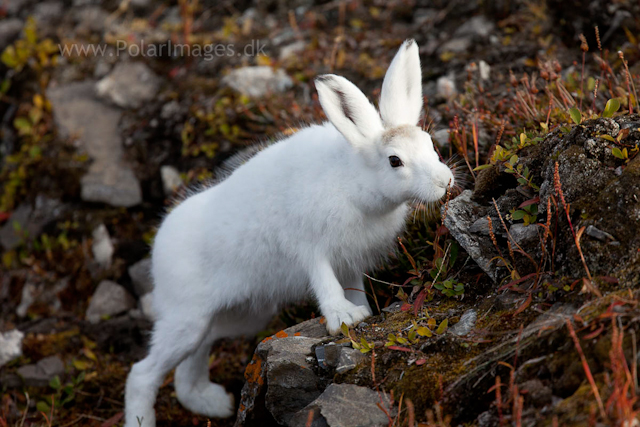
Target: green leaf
[[43, 407], [513, 160], [612, 106], [519, 214], [575, 114], [23, 125], [616, 152], [442, 327], [55, 383], [481, 167]]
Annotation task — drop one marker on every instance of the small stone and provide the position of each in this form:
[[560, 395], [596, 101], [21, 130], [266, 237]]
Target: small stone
[[171, 180], [146, 306], [466, 324], [48, 12], [394, 307], [10, 346], [90, 19], [349, 359], [459, 45], [41, 373], [485, 70], [9, 31], [441, 136], [596, 233], [109, 299], [140, 274], [102, 247], [114, 184], [257, 81], [129, 85], [292, 49], [446, 87], [478, 26], [27, 221], [101, 69]]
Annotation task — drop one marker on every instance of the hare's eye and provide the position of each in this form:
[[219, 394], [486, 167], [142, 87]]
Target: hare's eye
[[395, 161]]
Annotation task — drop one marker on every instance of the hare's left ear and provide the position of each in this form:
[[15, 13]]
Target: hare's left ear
[[401, 96]]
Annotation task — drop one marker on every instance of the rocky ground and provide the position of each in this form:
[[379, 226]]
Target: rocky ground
[[514, 302]]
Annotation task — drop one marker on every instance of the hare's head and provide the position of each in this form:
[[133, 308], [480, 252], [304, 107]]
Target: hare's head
[[400, 153]]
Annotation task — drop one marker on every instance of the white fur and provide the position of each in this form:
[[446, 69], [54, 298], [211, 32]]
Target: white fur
[[308, 214]]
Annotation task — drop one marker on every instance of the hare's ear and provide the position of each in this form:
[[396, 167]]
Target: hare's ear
[[348, 109], [401, 96]]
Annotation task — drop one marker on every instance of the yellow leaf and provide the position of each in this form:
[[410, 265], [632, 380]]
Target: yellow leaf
[[81, 365], [442, 327], [90, 354]]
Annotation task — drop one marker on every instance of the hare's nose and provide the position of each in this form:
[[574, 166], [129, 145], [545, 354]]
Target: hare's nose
[[444, 179]]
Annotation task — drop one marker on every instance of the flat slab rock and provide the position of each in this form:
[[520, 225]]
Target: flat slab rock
[[345, 405], [39, 374], [79, 114], [109, 299]]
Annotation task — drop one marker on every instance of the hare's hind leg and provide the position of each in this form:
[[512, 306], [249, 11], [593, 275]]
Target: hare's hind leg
[[195, 391], [173, 339]]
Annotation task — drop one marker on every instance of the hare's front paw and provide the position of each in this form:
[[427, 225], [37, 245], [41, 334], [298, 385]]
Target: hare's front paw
[[345, 311]]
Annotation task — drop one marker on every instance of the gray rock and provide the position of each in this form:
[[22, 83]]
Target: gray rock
[[441, 136], [129, 85], [90, 19], [16, 6], [102, 247], [458, 45], [39, 374], [140, 274], [394, 307], [349, 359], [346, 405], [480, 226], [27, 221], [171, 179], [465, 325], [280, 379], [146, 306], [290, 380], [109, 299], [79, 114], [460, 217], [292, 49], [596, 233], [41, 293], [10, 346], [101, 69], [257, 81], [48, 12], [523, 234], [446, 87], [485, 70], [478, 26], [9, 31]]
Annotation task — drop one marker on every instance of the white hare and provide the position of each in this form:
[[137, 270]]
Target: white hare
[[309, 214]]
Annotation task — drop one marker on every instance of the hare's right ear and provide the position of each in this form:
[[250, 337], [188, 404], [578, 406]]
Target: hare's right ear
[[401, 95], [348, 109]]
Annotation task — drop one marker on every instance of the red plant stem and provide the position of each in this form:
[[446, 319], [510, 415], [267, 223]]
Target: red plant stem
[[582, 80], [586, 368]]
